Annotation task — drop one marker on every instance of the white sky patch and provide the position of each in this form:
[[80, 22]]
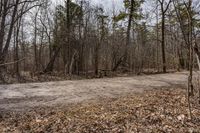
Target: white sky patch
[[110, 4], [107, 4]]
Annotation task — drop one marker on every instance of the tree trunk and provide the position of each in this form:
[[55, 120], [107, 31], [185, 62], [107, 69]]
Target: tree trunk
[[2, 30], [97, 59], [7, 44], [128, 33], [50, 65], [163, 42], [72, 63], [35, 43]]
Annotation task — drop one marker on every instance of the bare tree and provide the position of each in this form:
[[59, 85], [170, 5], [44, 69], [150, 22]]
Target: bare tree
[[10, 11], [163, 12]]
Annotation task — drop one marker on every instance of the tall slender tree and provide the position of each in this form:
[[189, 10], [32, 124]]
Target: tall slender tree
[[164, 7]]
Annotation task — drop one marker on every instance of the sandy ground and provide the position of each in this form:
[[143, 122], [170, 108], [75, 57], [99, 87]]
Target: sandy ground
[[18, 97]]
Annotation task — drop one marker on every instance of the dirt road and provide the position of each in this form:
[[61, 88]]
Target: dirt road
[[26, 96]]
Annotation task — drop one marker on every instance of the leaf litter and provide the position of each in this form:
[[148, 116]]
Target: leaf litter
[[159, 110]]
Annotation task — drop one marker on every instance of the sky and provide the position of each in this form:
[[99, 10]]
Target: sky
[[107, 4]]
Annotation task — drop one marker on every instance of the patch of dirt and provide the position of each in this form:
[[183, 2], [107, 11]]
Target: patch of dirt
[[24, 96], [158, 110]]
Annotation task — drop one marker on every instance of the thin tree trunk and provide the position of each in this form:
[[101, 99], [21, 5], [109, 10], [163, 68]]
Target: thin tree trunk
[[2, 30], [35, 42], [128, 32], [163, 43], [7, 44], [97, 59], [50, 65], [72, 63]]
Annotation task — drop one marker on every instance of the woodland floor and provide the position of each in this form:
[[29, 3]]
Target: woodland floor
[[160, 110], [99, 105]]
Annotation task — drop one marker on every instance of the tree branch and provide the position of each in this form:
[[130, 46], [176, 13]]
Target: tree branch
[[167, 6], [10, 63]]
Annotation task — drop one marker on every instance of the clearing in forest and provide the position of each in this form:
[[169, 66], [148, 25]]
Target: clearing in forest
[[27, 96]]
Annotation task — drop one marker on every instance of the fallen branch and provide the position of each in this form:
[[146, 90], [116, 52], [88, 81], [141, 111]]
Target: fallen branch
[[10, 63]]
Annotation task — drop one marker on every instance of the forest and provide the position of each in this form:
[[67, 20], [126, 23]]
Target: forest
[[68, 51], [83, 39]]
